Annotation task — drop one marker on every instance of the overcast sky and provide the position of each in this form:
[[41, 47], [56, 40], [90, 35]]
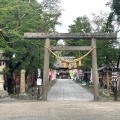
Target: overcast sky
[[76, 8]]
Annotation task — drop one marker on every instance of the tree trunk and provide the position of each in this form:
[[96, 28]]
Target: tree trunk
[[10, 82], [18, 15]]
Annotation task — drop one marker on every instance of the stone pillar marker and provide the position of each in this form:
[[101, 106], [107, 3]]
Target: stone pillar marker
[[3, 93], [1, 75], [22, 82]]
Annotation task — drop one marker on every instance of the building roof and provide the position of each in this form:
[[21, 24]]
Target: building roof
[[110, 67]]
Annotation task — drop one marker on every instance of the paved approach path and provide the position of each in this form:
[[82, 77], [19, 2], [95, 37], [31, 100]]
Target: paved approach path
[[67, 89]]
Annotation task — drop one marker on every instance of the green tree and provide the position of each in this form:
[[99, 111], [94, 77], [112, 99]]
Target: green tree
[[51, 6], [99, 23], [106, 49], [81, 24], [114, 16], [17, 17], [116, 9]]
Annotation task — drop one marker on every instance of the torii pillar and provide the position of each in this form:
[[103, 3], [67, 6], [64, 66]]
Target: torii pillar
[[45, 73], [95, 71]]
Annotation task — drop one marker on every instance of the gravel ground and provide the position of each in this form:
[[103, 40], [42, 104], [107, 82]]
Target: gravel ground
[[59, 110]]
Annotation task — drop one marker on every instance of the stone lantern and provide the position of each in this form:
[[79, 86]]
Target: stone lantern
[[3, 59]]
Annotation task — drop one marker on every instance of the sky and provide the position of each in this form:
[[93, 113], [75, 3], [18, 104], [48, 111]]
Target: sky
[[76, 8]]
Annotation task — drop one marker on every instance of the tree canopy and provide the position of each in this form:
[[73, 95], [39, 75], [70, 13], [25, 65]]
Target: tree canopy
[[17, 17], [106, 49]]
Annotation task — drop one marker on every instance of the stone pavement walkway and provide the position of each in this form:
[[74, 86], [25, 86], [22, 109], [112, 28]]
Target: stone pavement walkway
[[67, 89]]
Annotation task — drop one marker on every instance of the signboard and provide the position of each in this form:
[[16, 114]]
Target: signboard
[[39, 81], [114, 76]]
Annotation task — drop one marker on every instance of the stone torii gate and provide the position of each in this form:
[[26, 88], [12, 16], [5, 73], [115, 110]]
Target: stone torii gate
[[88, 36]]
